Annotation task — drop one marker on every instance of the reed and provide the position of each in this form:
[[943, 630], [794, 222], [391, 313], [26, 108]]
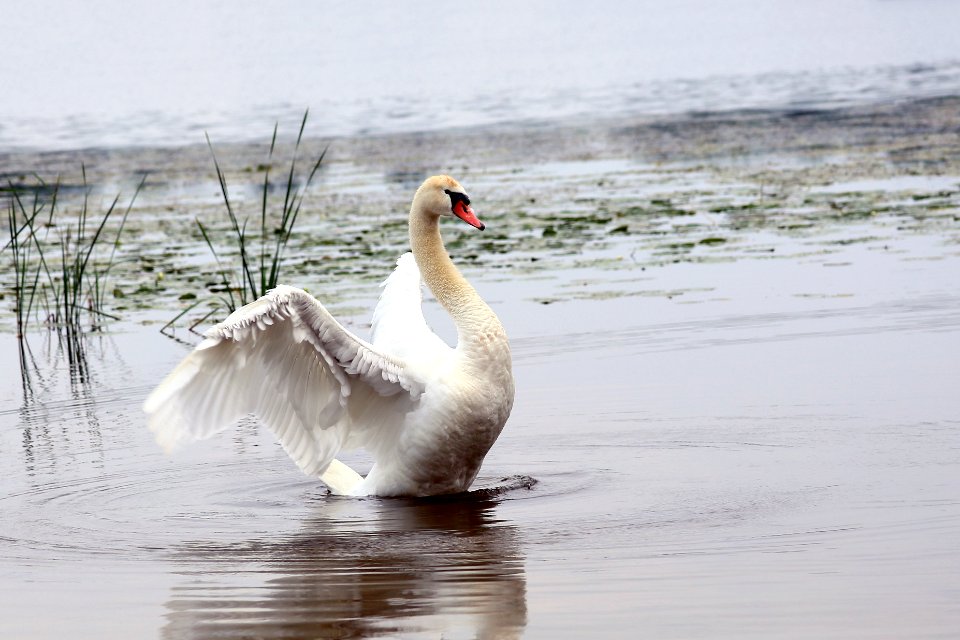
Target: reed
[[24, 286], [58, 273], [260, 255]]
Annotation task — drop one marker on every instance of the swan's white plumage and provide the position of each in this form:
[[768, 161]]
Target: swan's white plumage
[[286, 359], [427, 412], [398, 325]]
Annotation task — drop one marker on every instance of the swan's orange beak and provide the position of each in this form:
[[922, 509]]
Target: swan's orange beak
[[465, 213]]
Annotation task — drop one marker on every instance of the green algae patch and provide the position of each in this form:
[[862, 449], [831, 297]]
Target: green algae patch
[[712, 241]]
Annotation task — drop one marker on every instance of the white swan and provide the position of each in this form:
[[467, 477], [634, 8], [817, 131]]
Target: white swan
[[428, 413]]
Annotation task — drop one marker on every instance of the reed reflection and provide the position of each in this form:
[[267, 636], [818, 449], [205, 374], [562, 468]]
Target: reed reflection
[[62, 386], [360, 569]]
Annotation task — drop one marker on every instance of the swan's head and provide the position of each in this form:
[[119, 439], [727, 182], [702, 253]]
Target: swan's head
[[443, 196]]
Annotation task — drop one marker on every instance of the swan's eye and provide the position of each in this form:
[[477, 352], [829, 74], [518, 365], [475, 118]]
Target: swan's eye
[[456, 196]]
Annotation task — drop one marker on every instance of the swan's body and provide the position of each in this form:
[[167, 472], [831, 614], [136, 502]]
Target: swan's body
[[428, 413]]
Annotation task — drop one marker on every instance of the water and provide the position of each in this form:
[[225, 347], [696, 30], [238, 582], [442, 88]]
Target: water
[[735, 347], [723, 475], [744, 444], [136, 73]]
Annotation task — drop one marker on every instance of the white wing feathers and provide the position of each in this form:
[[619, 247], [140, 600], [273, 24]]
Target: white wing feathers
[[398, 323], [286, 359], [400, 304]]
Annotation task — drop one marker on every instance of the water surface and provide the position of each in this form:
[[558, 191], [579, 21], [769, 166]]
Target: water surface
[[135, 73], [724, 241], [736, 402]]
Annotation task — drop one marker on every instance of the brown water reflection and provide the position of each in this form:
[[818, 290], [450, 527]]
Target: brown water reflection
[[364, 569]]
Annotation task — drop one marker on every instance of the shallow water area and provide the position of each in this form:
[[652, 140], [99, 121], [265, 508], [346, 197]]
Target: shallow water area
[[736, 382], [723, 474]]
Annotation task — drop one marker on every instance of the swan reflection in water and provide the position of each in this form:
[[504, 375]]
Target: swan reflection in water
[[377, 567]]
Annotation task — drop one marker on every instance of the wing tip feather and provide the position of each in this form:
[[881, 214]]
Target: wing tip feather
[[174, 382]]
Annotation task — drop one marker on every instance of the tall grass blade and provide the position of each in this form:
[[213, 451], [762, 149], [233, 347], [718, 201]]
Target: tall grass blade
[[263, 210], [247, 276], [260, 273], [223, 273], [73, 282], [286, 227]]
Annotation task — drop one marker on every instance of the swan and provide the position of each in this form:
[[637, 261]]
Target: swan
[[427, 413]]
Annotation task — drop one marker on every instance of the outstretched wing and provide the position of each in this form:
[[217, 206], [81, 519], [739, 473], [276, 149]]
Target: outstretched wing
[[287, 360], [398, 323]]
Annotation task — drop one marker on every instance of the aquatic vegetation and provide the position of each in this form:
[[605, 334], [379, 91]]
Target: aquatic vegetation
[[260, 256], [204, 248], [60, 260]]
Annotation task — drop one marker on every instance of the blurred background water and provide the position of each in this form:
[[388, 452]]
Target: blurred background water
[[117, 73]]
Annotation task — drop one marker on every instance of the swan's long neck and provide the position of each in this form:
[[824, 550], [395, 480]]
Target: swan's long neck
[[471, 315]]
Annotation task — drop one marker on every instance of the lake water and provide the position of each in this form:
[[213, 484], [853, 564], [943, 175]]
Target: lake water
[[141, 73], [734, 335], [728, 475]]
